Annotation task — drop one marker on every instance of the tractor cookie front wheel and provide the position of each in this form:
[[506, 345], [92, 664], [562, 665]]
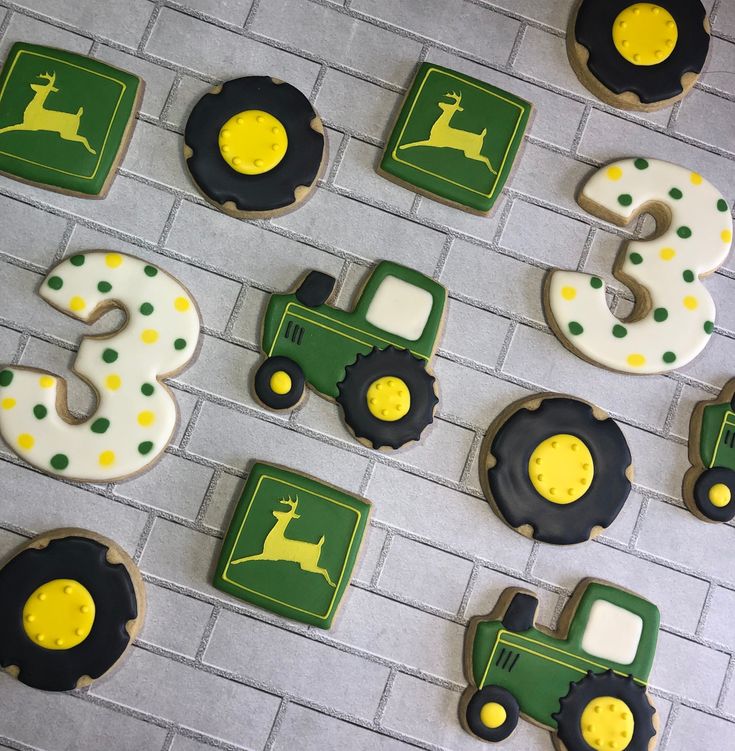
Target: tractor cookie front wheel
[[279, 383], [492, 714], [714, 494], [387, 397]]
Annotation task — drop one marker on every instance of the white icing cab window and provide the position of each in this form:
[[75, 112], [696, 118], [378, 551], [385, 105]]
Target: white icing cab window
[[612, 633], [400, 308]]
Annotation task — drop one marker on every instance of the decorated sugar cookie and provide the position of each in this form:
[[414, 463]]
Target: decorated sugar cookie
[[556, 468], [456, 139], [136, 413], [674, 313], [638, 56], [292, 545], [374, 360], [65, 119], [73, 602], [585, 682], [255, 147], [709, 485]]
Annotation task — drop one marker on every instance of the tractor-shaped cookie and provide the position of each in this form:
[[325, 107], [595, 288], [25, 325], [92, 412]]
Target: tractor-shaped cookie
[[586, 682], [374, 360]]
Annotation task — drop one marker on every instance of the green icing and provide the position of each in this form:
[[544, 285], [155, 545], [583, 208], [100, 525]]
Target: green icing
[[104, 286], [109, 355], [619, 331], [669, 357], [77, 260], [301, 588], [100, 425], [625, 199], [145, 447], [718, 422], [596, 282], [40, 411], [55, 282], [575, 328], [688, 275], [453, 165], [636, 258], [150, 270], [146, 309], [146, 389], [684, 232], [179, 343], [721, 204], [6, 377], [660, 314], [641, 164], [675, 193], [59, 461], [104, 97], [709, 327]]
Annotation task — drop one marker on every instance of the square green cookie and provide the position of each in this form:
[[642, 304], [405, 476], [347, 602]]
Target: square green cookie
[[456, 138], [292, 544], [65, 119]]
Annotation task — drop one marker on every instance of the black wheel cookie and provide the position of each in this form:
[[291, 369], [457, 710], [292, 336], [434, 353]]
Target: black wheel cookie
[[492, 713], [705, 493], [279, 383]]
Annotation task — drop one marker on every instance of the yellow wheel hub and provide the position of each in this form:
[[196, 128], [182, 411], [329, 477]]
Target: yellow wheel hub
[[719, 495], [280, 382], [493, 715], [388, 398], [607, 724], [645, 34], [253, 142], [561, 468], [59, 614]]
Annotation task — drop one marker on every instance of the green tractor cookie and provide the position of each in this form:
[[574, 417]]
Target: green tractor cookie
[[586, 682], [374, 361]]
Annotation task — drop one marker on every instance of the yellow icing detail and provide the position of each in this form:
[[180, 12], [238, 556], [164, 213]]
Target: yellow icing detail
[[607, 724], [568, 293], [77, 303], [280, 382], [726, 236], [113, 260], [696, 178], [614, 173], [253, 142], [561, 468], [719, 495], [690, 302], [149, 336], [636, 360], [8, 403], [113, 382], [59, 614], [667, 254], [493, 715], [26, 441], [388, 398], [181, 304], [645, 34], [46, 382], [146, 418], [107, 458]]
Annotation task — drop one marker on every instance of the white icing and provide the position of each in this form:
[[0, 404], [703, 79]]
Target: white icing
[[612, 633], [134, 418], [400, 308], [664, 261]]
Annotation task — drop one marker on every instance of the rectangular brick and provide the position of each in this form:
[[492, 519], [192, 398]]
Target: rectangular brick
[[474, 334], [721, 62], [722, 289], [712, 367], [716, 129], [222, 502], [248, 325], [690, 397], [372, 548], [554, 13], [462, 222], [29, 234], [693, 729], [9, 342], [22, 28], [718, 626], [231, 11]]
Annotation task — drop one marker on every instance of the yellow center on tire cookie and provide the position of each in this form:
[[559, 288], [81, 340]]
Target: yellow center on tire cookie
[[388, 398], [719, 495], [561, 468], [59, 614], [253, 142], [493, 715], [280, 382], [607, 723], [645, 34]]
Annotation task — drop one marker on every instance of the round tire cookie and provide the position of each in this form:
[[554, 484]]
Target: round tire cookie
[[73, 601], [255, 147], [638, 55]]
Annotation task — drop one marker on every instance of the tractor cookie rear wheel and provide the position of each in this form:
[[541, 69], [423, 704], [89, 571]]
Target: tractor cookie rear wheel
[[492, 713], [279, 383], [714, 494], [388, 397]]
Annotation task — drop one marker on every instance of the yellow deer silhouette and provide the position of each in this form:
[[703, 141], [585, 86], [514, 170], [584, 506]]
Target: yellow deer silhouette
[[443, 135], [37, 117], [278, 547]]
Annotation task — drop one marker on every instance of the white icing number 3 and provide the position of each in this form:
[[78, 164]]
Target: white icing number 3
[[675, 314], [136, 413]]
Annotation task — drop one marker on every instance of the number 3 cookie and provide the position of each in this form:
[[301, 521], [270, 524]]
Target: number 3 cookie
[[674, 314], [136, 413]]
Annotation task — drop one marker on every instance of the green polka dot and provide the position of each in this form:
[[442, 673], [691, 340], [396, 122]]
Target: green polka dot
[[640, 164], [636, 258], [150, 270], [180, 344], [619, 331], [109, 355], [146, 308], [596, 282], [625, 199], [77, 260], [709, 327], [675, 193], [100, 425], [39, 411], [575, 328], [660, 314], [684, 232], [688, 275], [59, 461], [145, 447], [6, 377], [56, 282], [104, 286], [721, 204], [147, 389], [669, 357]]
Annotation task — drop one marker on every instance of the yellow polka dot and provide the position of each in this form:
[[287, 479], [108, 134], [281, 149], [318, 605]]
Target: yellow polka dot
[[636, 360], [696, 178], [113, 260], [149, 336], [726, 236], [690, 302], [614, 173], [77, 303], [107, 458], [568, 293], [113, 382], [46, 382], [146, 418], [7, 403], [181, 304], [667, 254], [26, 441]]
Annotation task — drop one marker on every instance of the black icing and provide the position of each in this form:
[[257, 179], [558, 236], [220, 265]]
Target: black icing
[[263, 383], [571, 707], [518, 501], [702, 486], [83, 560], [499, 696], [316, 289], [652, 83], [353, 397], [521, 612], [253, 193]]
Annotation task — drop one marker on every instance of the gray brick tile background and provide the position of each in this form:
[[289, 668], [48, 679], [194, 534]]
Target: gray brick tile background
[[208, 671]]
